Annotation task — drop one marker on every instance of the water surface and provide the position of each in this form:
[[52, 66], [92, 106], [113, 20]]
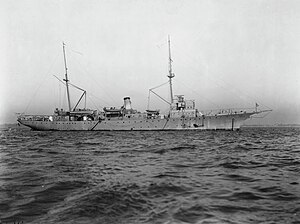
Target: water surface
[[249, 176]]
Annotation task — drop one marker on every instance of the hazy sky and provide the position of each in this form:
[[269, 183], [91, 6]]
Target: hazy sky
[[226, 53]]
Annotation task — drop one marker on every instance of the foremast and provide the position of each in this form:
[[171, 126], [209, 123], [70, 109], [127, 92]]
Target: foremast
[[171, 74], [66, 78]]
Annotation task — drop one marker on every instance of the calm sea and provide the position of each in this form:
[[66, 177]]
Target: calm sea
[[248, 176]]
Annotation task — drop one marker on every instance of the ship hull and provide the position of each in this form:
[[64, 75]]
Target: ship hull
[[215, 122]]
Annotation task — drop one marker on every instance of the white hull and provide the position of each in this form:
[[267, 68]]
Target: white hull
[[182, 115], [215, 122]]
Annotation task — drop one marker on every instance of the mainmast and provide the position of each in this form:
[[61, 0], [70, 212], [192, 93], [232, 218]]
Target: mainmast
[[171, 74], [66, 79]]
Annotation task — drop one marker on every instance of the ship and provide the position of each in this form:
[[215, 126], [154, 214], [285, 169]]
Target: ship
[[182, 114]]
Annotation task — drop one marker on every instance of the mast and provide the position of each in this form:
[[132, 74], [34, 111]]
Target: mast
[[66, 78], [171, 74]]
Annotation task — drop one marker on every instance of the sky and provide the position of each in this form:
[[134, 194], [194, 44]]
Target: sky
[[226, 54]]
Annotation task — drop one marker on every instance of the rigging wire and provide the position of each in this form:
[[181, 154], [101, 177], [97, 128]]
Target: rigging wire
[[222, 86], [167, 68], [159, 85], [90, 94], [77, 52], [151, 91], [40, 83], [65, 98], [76, 87], [93, 103], [148, 105], [99, 99], [84, 69], [59, 96], [229, 90], [194, 91]]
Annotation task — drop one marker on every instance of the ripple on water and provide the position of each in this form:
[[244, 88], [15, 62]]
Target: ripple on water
[[250, 176]]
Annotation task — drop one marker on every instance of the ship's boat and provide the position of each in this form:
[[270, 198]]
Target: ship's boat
[[112, 110], [182, 115]]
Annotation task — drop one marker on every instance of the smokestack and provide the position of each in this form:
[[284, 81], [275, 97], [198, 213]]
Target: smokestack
[[127, 103]]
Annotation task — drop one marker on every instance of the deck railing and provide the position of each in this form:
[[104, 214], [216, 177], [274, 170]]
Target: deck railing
[[42, 118], [229, 111]]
